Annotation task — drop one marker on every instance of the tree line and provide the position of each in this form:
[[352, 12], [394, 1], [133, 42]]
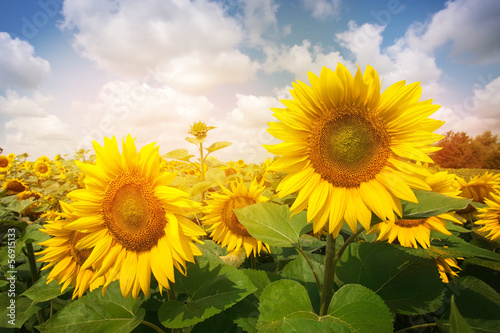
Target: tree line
[[459, 150]]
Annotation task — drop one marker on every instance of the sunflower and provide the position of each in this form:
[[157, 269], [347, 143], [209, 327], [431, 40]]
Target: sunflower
[[5, 163], [65, 259], [222, 221], [41, 168], [349, 150], [447, 266], [199, 130], [411, 232], [133, 220], [489, 217], [14, 186], [29, 194], [478, 189]]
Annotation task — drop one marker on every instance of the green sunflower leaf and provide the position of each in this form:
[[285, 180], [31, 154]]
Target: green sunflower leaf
[[431, 204], [211, 288], [95, 313], [271, 223], [41, 291], [178, 154], [408, 284], [479, 306], [22, 307], [218, 145], [457, 323], [285, 307]]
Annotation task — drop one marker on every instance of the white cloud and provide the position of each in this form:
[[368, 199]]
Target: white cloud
[[253, 111], [260, 18], [246, 126], [188, 45], [477, 113], [299, 59], [31, 128], [159, 114], [323, 9], [16, 106], [471, 26], [398, 62], [19, 67]]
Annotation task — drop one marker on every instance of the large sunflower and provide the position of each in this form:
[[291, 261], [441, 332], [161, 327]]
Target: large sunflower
[[135, 222], [224, 225], [64, 258], [489, 217], [350, 150]]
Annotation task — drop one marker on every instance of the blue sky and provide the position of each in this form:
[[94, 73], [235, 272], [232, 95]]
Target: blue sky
[[74, 71]]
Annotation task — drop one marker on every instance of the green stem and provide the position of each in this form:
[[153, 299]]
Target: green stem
[[171, 297], [346, 244], [331, 260], [329, 277], [30, 253], [416, 327], [34, 276], [318, 282], [153, 326], [202, 162]]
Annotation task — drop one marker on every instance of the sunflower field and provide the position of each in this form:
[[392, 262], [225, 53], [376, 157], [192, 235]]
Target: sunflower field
[[349, 228]]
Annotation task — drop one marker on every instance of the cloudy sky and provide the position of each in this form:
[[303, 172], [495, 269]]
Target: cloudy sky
[[73, 71]]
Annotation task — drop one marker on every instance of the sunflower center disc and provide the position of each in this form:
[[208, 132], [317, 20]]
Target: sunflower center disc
[[229, 217], [78, 255], [16, 186], [132, 212], [349, 146], [4, 162], [408, 223], [42, 168]]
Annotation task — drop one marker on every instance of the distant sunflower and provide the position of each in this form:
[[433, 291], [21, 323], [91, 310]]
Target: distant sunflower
[[478, 189], [14, 185], [222, 221], [41, 168], [489, 217], [65, 259], [5, 163], [135, 222], [240, 163], [29, 194], [350, 150]]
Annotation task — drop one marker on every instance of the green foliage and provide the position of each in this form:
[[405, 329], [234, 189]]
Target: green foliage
[[285, 307], [431, 204], [96, 313], [377, 285], [408, 284], [210, 288], [272, 224]]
